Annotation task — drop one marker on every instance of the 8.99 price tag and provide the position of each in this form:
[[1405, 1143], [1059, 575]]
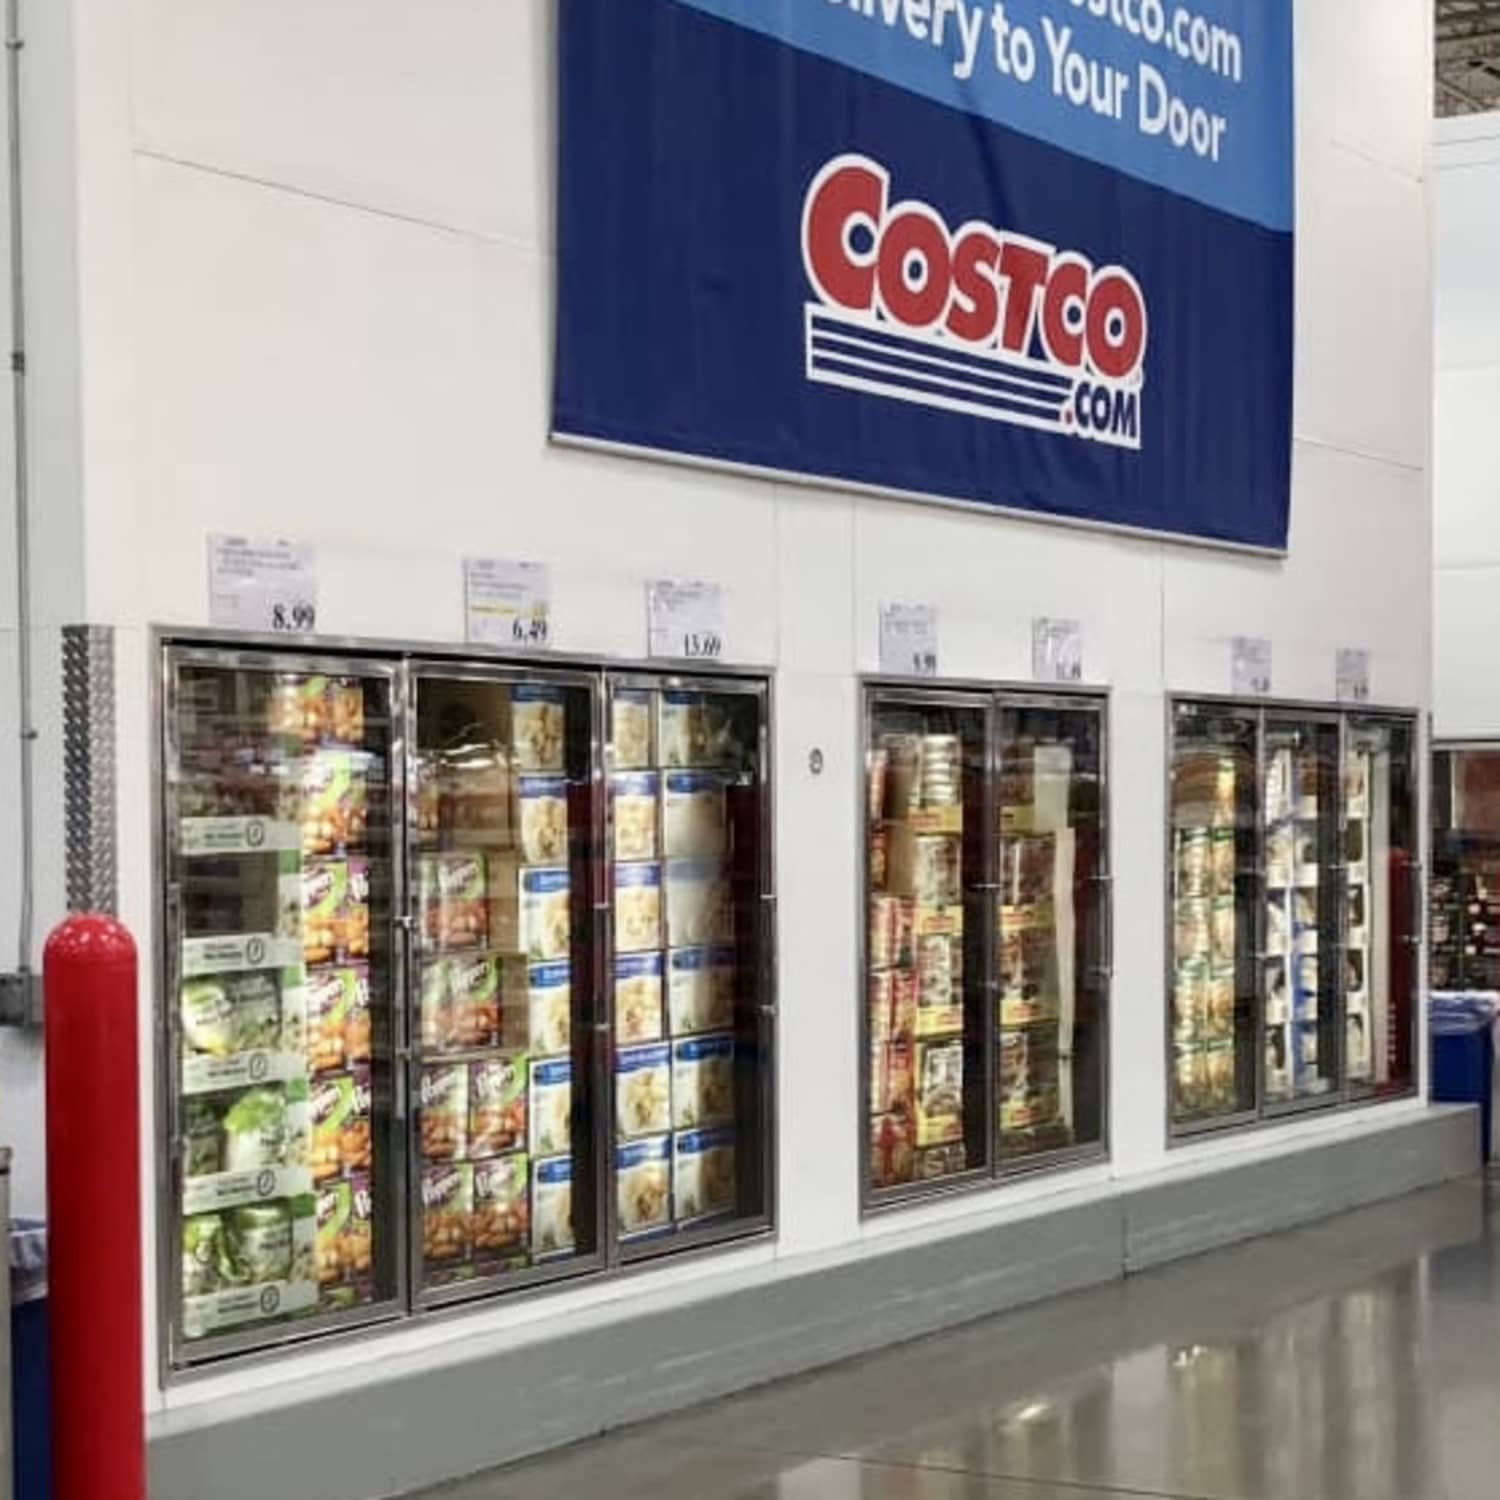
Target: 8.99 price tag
[[265, 586]]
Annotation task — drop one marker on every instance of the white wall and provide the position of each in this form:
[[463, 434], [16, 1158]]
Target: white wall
[[316, 270], [1466, 435]]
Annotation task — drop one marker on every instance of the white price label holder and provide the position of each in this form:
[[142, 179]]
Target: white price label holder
[[269, 586], [909, 640], [685, 619], [1056, 650], [507, 603], [1352, 674], [1250, 666]]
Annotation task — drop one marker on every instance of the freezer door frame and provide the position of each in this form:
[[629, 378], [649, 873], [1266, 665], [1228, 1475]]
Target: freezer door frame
[[177, 1358], [434, 669], [651, 1250]]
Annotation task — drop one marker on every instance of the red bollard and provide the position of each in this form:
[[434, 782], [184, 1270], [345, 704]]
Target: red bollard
[[94, 1212]]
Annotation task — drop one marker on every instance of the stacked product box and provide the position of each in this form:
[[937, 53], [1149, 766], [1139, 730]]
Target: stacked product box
[[1291, 976], [274, 1084], [1359, 980], [675, 963], [495, 1012], [915, 957], [1204, 995]]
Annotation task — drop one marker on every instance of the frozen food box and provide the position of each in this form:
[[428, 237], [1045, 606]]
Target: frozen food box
[[939, 1092], [471, 800], [892, 1077], [452, 891], [700, 988], [702, 1082], [551, 1106], [693, 814], [552, 1206], [497, 1104], [630, 728], [333, 801], [635, 797], [443, 1111], [643, 1089], [447, 1212], [549, 1007], [473, 1000], [637, 907], [266, 1126], [684, 729], [542, 819], [638, 997], [703, 1177], [354, 937], [546, 916], [344, 1245], [892, 1148], [338, 1017], [502, 1204], [341, 1143], [700, 905], [298, 708], [537, 724], [643, 1184], [325, 903], [434, 1006], [227, 1014]]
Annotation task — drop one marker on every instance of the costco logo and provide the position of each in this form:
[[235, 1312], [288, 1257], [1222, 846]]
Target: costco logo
[[976, 319]]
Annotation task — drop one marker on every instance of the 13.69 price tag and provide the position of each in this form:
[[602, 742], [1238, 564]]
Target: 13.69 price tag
[[685, 619]]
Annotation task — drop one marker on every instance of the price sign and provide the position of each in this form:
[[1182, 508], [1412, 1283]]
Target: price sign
[[685, 619], [1250, 666], [1352, 671], [262, 585], [507, 603], [909, 640], [1056, 650]]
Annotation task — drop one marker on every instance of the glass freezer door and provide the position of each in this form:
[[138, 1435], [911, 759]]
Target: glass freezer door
[[502, 834], [1302, 1029], [1381, 928], [1052, 918], [688, 879], [929, 887], [282, 974], [1213, 891]]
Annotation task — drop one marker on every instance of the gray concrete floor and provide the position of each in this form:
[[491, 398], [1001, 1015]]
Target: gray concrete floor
[[1358, 1359]]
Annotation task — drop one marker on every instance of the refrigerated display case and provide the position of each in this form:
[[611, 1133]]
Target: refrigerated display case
[[1464, 897], [986, 936], [467, 976], [1294, 919]]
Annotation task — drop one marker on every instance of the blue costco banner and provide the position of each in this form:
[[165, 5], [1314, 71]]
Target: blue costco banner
[[1034, 255]]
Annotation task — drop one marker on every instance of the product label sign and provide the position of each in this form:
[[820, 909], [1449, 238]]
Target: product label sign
[[1056, 650], [507, 603], [1352, 671], [909, 640], [238, 835], [266, 586], [949, 259], [241, 953], [1250, 666], [685, 619]]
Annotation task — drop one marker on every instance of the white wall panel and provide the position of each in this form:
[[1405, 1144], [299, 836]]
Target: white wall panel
[[1352, 578], [1363, 356], [432, 112]]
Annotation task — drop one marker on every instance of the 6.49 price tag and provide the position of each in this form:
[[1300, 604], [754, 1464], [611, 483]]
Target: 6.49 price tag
[[507, 603]]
